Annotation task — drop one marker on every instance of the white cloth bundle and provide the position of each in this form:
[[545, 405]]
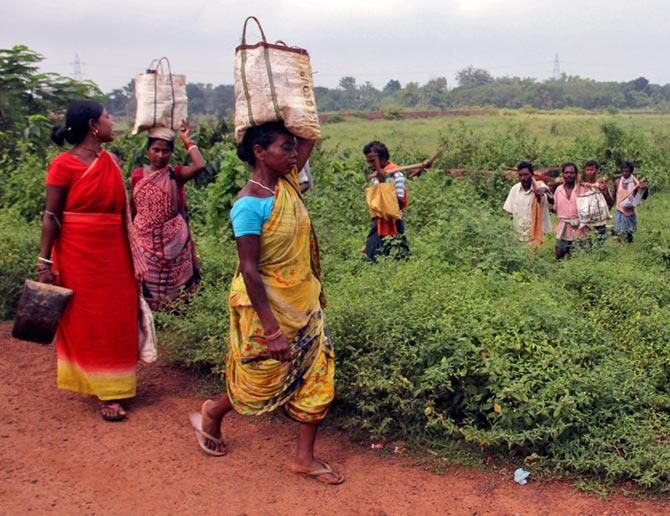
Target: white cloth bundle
[[146, 333], [592, 208]]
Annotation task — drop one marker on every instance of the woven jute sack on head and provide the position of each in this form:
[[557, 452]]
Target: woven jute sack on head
[[161, 98], [273, 82]]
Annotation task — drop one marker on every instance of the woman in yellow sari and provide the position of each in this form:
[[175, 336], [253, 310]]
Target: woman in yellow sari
[[280, 354]]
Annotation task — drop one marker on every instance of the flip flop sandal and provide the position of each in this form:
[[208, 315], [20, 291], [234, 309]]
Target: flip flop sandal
[[115, 418], [201, 435], [325, 470]]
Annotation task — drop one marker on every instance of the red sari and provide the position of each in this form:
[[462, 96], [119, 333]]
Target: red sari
[[96, 340]]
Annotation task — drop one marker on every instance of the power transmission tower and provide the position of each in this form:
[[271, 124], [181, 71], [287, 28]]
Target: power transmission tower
[[557, 68], [77, 67]]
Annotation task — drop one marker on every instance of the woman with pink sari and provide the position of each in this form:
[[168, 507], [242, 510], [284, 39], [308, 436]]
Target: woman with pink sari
[[161, 220]]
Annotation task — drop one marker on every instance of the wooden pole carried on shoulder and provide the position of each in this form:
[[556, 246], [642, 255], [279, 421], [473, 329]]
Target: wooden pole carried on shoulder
[[419, 166]]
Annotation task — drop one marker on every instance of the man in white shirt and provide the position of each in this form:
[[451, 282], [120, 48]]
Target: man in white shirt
[[527, 201]]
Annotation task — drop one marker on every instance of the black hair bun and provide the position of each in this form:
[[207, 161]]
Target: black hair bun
[[58, 133]]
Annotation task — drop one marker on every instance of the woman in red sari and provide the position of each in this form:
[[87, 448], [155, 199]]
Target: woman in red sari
[[161, 221], [88, 245]]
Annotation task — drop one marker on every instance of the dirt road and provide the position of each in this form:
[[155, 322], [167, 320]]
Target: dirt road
[[57, 456]]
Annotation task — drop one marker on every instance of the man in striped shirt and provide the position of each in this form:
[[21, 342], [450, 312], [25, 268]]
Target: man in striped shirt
[[386, 237]]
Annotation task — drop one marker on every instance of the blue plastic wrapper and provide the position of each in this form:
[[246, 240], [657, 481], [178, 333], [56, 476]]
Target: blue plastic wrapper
[[521, 476]]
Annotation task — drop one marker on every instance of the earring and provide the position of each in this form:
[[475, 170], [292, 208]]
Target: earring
[[95, 132]]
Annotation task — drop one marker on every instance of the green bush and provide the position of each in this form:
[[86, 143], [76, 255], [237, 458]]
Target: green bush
[[473, 150], [197, 333], [22, 186], [394, 113], [19, 247], [473, 339]]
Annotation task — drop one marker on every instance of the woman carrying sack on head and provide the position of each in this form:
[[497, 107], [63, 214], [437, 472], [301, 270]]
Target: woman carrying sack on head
[[279, 354], [161, 220], [87, 226]]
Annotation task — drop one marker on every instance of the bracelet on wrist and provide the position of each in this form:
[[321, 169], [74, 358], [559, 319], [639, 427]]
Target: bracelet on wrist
[[274, 335], [45, 260], [193, 146]]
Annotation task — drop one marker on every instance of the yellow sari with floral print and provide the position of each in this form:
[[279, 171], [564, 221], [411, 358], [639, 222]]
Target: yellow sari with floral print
[[288, 264]]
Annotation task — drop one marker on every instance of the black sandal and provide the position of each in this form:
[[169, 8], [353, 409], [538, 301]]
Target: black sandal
[[115, 417]]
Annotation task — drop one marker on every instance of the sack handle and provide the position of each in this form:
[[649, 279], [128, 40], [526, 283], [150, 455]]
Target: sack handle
[[153, 68], [268, 67], [260, 28]]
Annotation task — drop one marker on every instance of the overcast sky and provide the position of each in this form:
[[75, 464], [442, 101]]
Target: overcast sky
[[407, 40]]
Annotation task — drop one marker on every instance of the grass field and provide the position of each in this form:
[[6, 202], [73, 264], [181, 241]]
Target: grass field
[[424, 134]]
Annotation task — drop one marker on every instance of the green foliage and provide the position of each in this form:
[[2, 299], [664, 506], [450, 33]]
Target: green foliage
[[471, 340], [29, 100], [197, 334], [476, 88], [505, 146], [19, 246], [231, 174], [22, 182], [394, 113], [566, 361], [30, 103], [472, 76]]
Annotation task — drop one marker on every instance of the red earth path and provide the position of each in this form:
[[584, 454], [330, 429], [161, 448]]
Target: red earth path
[[57, 456]]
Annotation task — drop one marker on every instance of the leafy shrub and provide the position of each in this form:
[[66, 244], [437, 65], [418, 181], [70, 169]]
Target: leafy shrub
[[231, 175], [472, 338], [22, 182], [19, 247], [394, 113]]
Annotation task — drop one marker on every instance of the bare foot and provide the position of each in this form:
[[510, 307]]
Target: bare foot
[[321, 471], [112, 411]]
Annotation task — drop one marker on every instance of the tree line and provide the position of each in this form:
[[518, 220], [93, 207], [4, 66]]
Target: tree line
[[29, 98], [475, 87]]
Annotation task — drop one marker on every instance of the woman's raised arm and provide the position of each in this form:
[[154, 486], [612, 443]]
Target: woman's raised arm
[[304, 148], [198, 163]]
